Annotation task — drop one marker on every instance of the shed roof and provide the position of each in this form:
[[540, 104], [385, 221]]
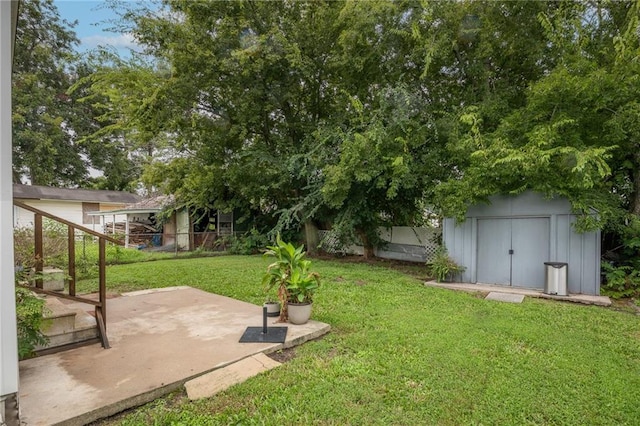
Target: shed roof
[[37, 192]]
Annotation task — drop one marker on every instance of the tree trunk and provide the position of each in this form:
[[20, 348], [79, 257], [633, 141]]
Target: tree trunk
[[366, 243], [311, 237], [635, 203]]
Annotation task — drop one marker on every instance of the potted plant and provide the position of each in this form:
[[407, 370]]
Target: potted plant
[[301, 287], [273, 307], [295, 284], [443, 267]]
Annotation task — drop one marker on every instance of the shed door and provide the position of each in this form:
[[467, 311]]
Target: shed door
[[513, 251], [494, 243], [530, 242]]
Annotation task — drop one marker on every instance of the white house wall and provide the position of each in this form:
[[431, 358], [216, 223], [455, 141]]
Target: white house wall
[[69, 210], [405, 243]]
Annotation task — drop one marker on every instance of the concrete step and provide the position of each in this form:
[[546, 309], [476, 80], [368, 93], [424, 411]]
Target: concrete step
[[65, 325], [57, 317], [53, 279]]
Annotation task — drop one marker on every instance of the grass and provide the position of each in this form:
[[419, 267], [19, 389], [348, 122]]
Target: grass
[[87, 258], [402, 353]]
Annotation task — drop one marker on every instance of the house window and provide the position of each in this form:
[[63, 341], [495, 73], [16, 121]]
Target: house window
[[90, 207]]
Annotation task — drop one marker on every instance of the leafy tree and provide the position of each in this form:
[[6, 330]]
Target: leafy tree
[[360, 113], [258, 103], [247, 87], [44, 148], [125, 131], [387, 161], [576, 134], [107, 152], [57, 138]]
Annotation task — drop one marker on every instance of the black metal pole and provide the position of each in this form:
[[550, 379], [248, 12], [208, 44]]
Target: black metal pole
[[264, 320]]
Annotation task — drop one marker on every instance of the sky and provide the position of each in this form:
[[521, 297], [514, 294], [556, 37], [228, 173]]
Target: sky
[[91, 28]]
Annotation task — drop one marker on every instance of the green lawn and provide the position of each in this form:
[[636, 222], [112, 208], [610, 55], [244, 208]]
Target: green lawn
[[405, 354], [87, 259]]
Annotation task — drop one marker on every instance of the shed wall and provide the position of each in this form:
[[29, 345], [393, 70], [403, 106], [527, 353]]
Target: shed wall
[[580, 251]]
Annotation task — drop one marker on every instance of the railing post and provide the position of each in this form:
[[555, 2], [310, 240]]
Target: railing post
[[38, 251], [72, 260], [101, 304], [126, 233], [102, 277]]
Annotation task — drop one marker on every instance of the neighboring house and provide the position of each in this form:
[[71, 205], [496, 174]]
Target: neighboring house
[[73, 205], [139, 224], [141, 227]]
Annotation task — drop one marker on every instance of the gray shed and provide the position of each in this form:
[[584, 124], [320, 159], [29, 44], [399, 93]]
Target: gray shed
[[508, 241]]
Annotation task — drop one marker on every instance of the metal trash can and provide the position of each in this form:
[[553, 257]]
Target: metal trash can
[[556, 278]]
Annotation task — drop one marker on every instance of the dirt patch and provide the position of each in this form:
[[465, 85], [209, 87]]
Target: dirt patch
[[625, 305], [283, 355]]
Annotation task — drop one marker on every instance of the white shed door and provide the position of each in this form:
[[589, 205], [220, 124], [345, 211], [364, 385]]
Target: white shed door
[[513, 251]]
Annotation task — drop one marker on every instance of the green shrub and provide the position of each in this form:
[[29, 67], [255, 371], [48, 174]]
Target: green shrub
[[29, 315], [54, 245], [249, 243], [620, 281], [443, 267]]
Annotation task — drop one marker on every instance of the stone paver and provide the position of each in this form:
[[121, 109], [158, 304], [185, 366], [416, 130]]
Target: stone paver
[[505, 297], [576, 298], [218, 380]]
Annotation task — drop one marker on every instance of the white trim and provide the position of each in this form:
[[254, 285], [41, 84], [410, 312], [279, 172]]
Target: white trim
[[8, 330], [126, 232]]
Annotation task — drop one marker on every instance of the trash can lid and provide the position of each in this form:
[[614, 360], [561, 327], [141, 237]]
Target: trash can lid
[[556, 264]]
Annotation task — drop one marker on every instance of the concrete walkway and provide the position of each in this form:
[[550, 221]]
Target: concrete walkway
[[487, 288], [159, 340]]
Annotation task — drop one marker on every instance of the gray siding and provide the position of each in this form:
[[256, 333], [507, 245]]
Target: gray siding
[[461, 245], [469, 245]]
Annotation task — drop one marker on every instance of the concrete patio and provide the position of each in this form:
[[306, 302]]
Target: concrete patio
[[159, 339]]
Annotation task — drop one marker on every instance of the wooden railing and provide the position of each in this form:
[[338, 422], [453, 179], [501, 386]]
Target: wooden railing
[[100, 304]]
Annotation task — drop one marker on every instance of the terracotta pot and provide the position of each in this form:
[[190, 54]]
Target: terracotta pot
[[299, 313]]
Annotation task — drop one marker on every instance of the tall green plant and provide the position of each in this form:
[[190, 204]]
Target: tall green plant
[[302, 283], [290, 275]]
